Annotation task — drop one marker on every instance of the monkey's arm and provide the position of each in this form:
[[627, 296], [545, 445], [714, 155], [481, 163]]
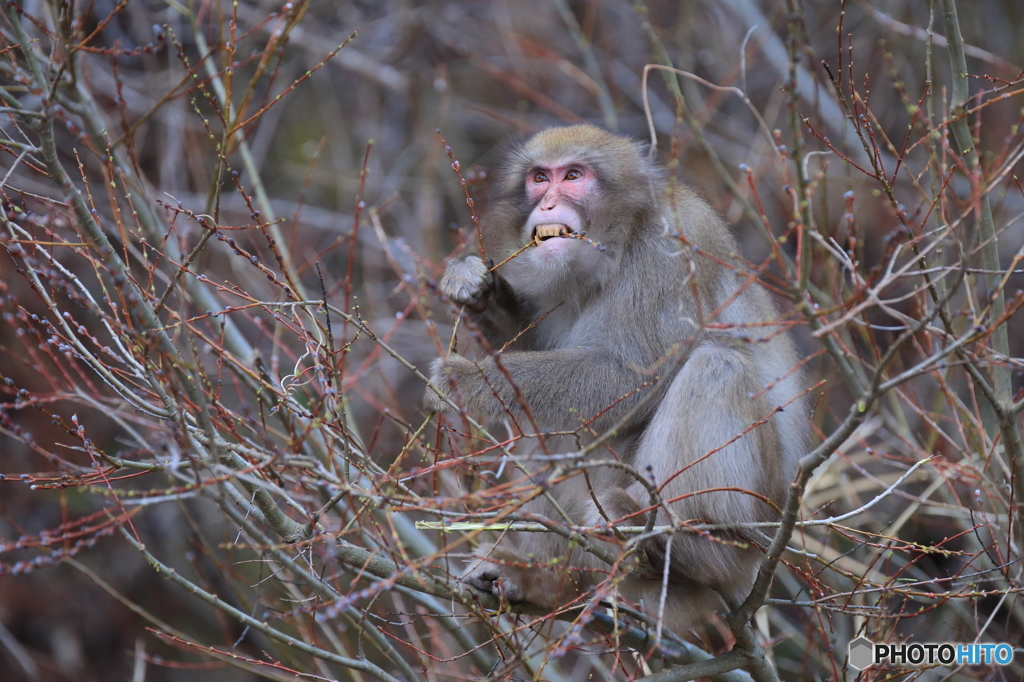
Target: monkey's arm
[[490, 301], [561, 388]]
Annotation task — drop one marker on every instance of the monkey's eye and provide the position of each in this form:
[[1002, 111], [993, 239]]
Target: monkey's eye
[[573, 175], [540, 176]]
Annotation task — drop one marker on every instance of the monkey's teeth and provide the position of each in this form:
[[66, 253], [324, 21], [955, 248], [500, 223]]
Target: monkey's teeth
[[542, 232]]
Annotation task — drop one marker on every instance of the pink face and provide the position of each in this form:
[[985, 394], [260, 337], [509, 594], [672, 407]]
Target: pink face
[[558, 190]]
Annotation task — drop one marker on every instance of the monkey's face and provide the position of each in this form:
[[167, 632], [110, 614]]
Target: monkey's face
[[558, 193]]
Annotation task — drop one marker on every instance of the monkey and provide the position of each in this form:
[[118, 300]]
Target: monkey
[[652, 328]]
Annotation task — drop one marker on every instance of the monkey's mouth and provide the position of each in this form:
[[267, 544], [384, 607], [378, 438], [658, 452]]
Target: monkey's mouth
[[550, 231]]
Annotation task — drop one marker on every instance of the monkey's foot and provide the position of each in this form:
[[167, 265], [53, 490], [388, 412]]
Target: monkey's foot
[[499, 572], [493, 580]]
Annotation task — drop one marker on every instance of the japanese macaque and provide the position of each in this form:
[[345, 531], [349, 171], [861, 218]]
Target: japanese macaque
[[649, 325]]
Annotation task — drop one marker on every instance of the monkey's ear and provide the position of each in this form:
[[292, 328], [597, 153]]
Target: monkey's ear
[[648, 161], [504, 163]]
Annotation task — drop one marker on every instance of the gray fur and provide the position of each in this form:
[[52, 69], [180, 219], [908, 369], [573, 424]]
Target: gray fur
[[646, 308], [466, 281]]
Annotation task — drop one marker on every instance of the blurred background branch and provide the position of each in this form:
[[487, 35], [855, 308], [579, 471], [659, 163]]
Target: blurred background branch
[[223, 224]]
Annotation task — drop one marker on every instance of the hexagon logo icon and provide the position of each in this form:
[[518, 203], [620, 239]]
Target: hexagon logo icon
[[862, 653]]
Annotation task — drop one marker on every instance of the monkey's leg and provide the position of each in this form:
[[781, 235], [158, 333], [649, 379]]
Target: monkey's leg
[[705, 448], [543, 568]]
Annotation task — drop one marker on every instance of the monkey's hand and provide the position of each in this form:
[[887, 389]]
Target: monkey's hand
[[442, 372], [468, 282]]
